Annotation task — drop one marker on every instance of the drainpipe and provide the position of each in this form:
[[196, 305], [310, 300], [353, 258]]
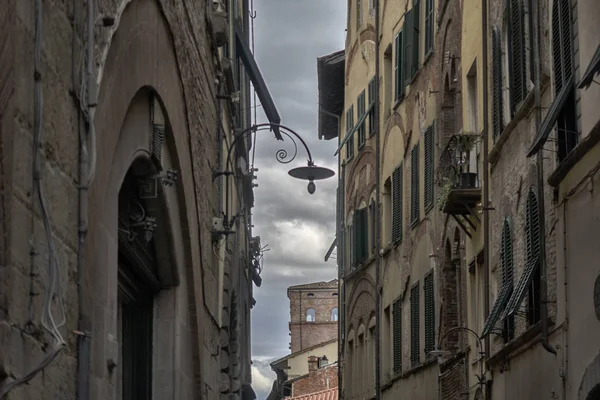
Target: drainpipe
[[566, 325], [486, 188], [84, 325], [540, 184], [377, 219]]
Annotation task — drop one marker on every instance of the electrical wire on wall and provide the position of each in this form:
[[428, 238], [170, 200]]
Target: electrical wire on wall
[[53, 291]]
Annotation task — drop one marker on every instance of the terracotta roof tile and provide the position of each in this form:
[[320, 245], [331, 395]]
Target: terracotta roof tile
[[329, 394]]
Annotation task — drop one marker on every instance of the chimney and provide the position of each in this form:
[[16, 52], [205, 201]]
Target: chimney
[[313, 363]]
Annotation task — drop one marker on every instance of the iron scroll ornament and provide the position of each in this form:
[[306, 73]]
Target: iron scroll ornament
[[310, 172]]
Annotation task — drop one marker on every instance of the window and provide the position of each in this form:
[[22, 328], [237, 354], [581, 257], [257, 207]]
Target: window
[[310, 315], [372, 221], [529, 283], [361, 119], [372, 95], [361, 231], [411, 31], [429, 313], [506, 288], [562, 53], [351, 239], [359, 14], [414, 326], [517, 54], [428, 26], [334, 314], [397, 192], [497, 120], [397, 334], [349, 131], [414, 186], [398, 68], [429, 167]]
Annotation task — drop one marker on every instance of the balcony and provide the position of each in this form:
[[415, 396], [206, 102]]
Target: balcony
[[459, 186]]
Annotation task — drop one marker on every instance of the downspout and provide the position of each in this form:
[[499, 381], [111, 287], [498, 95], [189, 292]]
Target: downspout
[[486, 189], [84, 325], [341, 271], [541, 184], [377, 219], [566, 324]]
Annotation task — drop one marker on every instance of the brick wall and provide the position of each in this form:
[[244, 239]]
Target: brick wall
[[307, 334], [321, 379], [453, 380]]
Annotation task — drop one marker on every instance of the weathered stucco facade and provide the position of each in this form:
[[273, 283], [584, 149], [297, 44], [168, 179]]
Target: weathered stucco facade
[[169, 292]]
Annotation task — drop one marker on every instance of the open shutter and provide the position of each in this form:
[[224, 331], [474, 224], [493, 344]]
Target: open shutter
[[518, 79], [497, 122], [429, 313], [407, 43], [397, 328], [414, 325], [429, 157], [414, 185], [416, 20], [397, 193]]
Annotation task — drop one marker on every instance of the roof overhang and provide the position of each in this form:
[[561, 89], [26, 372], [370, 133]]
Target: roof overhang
[[330, 75], [260, 86]]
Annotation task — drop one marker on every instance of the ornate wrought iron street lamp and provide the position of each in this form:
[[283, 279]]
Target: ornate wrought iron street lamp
[[310, 172]]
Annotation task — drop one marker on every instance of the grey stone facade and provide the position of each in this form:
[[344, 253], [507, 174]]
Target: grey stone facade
[[156, 66]]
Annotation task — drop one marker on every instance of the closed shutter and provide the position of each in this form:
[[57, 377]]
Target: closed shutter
[[361, 234], [414, 326], [416, 20], [361, 113], [397, 329], [373, 234], [429, 313], [429, 166], [562, 50], [407, 43], [497, 120], [399, 68], [351, 239], [397, 193], [349, 128], [372, 95], [428, 26], [414, 185], [518, 84]]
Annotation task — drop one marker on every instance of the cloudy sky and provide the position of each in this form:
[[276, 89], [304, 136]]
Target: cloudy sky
[[298, 227]]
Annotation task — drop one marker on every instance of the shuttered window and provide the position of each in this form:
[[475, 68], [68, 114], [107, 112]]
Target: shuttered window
[[416, 21], [562, 53], [414, 326], [351, 250], [506, 288], [429, 313], [397, 329], [414, 186], [429, 167], [361, 112], [407, 42], [373, 232], [517, 54], [429, 26], [397, 193], [497, 120], [349, 128], [399, 67], [372, 95], [361, 232]]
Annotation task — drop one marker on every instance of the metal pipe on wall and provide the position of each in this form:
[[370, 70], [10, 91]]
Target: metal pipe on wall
[[486, 185], [377, 219]]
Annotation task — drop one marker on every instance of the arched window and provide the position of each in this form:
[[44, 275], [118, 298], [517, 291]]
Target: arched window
[[334, 314], [310, 315]]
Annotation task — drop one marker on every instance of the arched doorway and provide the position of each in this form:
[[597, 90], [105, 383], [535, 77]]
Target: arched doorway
[[589, 389]]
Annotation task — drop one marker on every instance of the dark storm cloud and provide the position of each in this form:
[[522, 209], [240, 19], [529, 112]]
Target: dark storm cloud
[[299, 228]]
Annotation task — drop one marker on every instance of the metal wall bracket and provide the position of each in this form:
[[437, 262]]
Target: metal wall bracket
[[149, 186]]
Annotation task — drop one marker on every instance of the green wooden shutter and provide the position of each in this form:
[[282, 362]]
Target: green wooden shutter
[[397, 193], [497, 122], [407, 43], [414, 185], [562, 50], [399, 68], [349, 128], [518, 79], [361, 113], [416, 20], [429, 166], [351, 239], [429, 313], [373, 233], [361, 233], [397, 333], [372, 95], [414, 326], [429, 26]]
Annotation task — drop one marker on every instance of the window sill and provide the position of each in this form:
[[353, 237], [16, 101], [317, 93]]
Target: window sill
[[398, 102], [360, 267], [526, 107], [427, 57], [413, 370], [582, 148]]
